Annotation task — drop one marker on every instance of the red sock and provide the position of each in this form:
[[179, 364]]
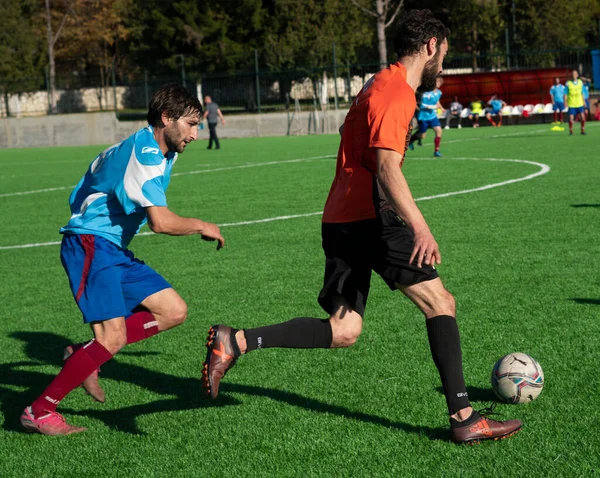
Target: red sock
[[583, 123], [75, 370], [140, 326], [556, 116], [437, 142], [570, 126], [561, 116]]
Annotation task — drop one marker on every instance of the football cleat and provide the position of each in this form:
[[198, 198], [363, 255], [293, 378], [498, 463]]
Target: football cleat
[[437, 154], [91, 384], [52, 423], [411, 146], [222, 354], [483, 429]]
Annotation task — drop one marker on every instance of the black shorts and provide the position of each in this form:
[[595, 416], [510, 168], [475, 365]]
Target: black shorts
[[354, 249]]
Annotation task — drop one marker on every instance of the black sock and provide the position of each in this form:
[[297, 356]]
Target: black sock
[[299, 333], [444, 342], [469, 421], [414, 137]]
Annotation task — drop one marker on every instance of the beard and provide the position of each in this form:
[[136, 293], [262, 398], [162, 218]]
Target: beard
[[173, 140], [430, 73]]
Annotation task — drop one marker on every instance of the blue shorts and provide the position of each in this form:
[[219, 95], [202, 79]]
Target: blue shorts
[[106, 280], [493, 112], [558, 106], [424, 125], [576, 111]]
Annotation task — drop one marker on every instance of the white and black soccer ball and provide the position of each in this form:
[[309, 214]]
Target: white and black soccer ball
[[517, 378]]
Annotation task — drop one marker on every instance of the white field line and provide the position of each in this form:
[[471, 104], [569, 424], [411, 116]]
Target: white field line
[[184, 173], [544, 168], [271, 163]]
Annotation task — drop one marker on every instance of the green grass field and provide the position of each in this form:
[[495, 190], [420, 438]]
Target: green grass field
[[521, 260]]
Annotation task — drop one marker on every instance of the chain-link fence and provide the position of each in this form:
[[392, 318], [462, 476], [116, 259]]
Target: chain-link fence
[[252, 91]]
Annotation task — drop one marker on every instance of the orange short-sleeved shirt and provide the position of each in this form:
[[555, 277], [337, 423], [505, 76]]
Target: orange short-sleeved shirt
[[380, 117]]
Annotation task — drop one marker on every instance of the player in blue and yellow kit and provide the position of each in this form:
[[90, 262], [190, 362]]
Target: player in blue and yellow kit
[[122, 299], [557, 93], [575, 102], [495, 105], [427, 117]]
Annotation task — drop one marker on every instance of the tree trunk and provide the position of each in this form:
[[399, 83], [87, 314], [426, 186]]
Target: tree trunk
[[475, 48], [6, 103], [381, 44], [51, 66]]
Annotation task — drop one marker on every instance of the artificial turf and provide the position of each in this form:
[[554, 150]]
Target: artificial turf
[[521, 260]]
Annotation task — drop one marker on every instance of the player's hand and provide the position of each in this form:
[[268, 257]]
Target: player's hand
[[223, 122], [211, 232], [426, 249]]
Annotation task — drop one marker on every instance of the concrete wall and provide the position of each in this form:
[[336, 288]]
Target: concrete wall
[[104, 128]]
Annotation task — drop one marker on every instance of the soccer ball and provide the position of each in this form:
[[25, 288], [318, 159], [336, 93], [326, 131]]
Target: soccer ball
[[517, 378]]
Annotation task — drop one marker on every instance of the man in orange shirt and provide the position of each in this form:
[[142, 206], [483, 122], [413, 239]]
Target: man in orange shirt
[[372, 223]]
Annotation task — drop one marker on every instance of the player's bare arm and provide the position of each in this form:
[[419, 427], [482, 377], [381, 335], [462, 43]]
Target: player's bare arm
[[221, 116], [398, 194], [164, 221]]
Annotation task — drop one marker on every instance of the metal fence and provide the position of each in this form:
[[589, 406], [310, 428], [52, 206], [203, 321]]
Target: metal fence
[[250, 91]]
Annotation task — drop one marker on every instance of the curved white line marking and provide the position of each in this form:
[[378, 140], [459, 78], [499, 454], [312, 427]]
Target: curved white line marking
[[270, 163], [544, 168]]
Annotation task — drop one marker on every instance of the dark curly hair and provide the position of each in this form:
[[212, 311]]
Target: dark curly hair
[[175, 100], [414, 29]]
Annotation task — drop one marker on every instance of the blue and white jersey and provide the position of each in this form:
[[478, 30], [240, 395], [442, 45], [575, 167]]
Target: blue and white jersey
[[558, 93], [429, 98], [586, 90], [124, 179], [496, 105]]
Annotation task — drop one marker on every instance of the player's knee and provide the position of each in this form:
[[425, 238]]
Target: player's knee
[[178, 313], [114, 340], [345, 333], [443, 305]]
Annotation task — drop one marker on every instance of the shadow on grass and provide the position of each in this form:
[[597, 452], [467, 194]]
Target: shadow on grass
[[184, 393], [587, 301], [585, 205]]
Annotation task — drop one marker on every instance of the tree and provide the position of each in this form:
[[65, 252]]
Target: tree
[[477, 26], [87, 34], [302, 33], [541, 28], [20, 49], [382, 9]]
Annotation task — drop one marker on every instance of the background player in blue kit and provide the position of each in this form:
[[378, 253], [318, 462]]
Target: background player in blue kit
[[427, 117], [495, 109], [586, 95], [557, 93], [122, 299]]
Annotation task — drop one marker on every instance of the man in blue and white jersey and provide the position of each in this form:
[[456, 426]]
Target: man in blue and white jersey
[[122, 298], [428, 118], [586, 95], [495, 106], [557, 93]]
